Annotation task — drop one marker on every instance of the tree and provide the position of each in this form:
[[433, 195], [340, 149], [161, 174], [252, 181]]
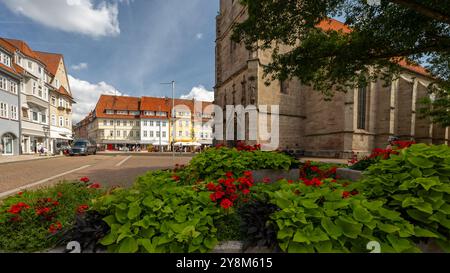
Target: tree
[[376, 41]]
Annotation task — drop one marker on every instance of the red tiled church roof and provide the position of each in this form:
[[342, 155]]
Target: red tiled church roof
[[333, 24]]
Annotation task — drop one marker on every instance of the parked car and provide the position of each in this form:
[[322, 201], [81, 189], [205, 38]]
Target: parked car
[[83, 147]]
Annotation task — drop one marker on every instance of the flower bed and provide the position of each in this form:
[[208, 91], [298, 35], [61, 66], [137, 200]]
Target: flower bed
[[34, 220], [401, 204]]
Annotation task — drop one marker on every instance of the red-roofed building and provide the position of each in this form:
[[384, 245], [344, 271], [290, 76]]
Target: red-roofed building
[[45, 110], [356, 121], [120, 122]]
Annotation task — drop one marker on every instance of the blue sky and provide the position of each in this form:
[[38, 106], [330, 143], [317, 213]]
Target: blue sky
[[128, 45]]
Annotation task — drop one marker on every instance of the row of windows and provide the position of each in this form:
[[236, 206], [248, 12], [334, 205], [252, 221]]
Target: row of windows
[[155, 134], [7, 85], [39, 91], [121, 123], [61, 121], [152, 123], [60, 103], [37, 116], [123, 133], [8, 112]]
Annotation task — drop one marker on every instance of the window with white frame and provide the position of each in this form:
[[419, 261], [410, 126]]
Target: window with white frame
[[118, 133], [3, 110], [110, 112], [5, 59], [13, 87], [14, 114], [164, 124], [53, 100], [145, 123], [152, 123], [34, 116], [43, 118], [145, 134], [122, 112], [151, 134], [105, 122], [67, 122], [158, 134], [34, 88], [61, 102], [111, 123], [61, 121], [3, 83], [54, 120], [131, 134], [164, 134]]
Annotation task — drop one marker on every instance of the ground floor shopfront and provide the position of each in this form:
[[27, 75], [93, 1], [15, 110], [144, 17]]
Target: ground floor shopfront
[[35, 141], [9, 138]]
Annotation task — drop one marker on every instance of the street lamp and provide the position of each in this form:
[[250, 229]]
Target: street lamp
[[172, 119]]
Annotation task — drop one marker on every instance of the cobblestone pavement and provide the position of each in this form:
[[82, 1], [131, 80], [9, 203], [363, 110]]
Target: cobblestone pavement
[[109, 171]]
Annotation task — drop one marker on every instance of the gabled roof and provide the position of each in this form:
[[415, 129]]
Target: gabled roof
[[107, 102], [64, 92], [9, 70], [23, 47], [7, 46], [333, 24], [51, 60], [156, 104]]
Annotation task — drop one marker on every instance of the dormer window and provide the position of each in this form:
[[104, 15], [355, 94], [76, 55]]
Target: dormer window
[[5, 59], [149, 113], [110, 112], [122, 112]]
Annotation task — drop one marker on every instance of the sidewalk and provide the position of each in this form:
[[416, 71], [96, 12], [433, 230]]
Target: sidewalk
[[22, 158]]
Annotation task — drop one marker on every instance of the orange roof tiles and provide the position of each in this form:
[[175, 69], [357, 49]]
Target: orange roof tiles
[[64, 92], [9, 69], [333, 24], [107, 102], [7, 46], [23, 47], [51, 60]]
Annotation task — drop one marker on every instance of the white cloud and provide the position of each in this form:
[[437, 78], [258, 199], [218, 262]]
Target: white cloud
[[80, 66], [199, 36], [79, 16], [199, 93], [86, 95]]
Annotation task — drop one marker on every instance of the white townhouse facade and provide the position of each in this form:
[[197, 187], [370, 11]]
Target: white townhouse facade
[[9, 102]]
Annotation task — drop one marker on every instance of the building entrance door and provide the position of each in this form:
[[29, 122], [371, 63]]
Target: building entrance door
[[8, 145]]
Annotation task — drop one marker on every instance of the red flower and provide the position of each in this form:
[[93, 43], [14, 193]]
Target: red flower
[[17, 208], [176, 178], [82, 209], [315, 169], [95, 186], [55, 227], [43, 211], [354, 192], [212, 196], [290, 181], [245, 191], [211, 186], [226, 203], [20, 193], [266, 180], [229, 174], [248, 174], [56, 203], [85, 179], [219, 194], [60, 194], [345, 194]]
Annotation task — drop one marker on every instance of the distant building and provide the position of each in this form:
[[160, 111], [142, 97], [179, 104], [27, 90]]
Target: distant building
[[120, 122]]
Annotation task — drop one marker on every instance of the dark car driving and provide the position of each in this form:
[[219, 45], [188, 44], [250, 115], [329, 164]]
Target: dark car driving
[[83, 147]]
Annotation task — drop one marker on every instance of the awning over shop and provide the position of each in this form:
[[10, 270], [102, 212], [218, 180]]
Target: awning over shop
[[158, 143]]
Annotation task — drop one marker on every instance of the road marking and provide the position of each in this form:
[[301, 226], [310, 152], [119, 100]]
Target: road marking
[[10, 192], [123, 161]]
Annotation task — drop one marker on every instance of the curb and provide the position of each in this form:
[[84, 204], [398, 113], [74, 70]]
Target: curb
[[28, 160]]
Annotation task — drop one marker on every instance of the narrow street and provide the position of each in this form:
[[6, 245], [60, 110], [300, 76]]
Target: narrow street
[[108, 170]]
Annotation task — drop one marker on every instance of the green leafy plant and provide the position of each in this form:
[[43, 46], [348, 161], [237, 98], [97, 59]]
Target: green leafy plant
[[415, 183], [329, 217], [35, 220], [215, 163], [159, 215]]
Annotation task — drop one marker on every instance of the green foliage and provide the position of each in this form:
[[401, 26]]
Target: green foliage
[[319, 219], [415, 183], [377, 40], [159, 215], [229, 228], [214, 163], [28, 232]]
